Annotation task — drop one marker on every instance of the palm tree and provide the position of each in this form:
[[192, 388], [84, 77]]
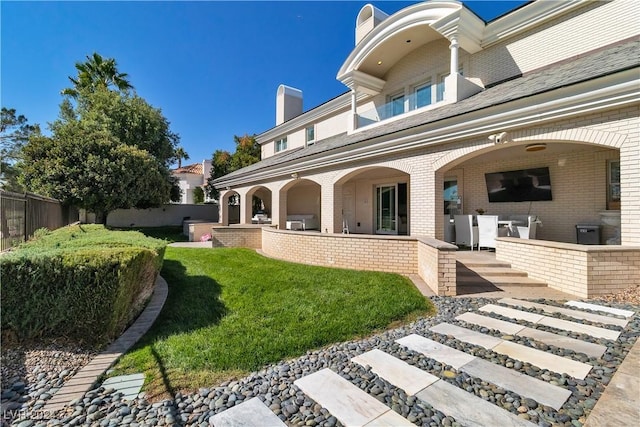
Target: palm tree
[[97, 73], [180, 155]]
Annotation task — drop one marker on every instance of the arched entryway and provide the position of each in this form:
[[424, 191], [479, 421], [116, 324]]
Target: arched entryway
[[230, 204], [258, 205], [373, 200], [300, 205], [562, 183]]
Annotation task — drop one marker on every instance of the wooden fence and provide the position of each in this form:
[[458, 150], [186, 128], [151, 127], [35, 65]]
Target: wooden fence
[[23, 213]]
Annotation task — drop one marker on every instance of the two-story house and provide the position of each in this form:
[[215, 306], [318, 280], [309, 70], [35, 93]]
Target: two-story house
[[446, 114]]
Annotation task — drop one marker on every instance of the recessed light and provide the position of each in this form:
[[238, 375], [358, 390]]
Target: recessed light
[[379, 62], [536, 147], [409, 41]]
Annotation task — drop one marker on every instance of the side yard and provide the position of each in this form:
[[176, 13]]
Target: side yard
[[231, 311]]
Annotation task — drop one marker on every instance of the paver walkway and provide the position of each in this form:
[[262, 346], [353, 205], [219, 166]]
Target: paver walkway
[[354, 407]]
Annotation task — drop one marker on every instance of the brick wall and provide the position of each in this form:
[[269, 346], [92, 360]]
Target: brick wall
[[437, 265], [237, 236], [585, 271], [358, 252]]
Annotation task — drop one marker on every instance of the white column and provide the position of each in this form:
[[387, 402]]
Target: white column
[[454, 55], [353, 122]]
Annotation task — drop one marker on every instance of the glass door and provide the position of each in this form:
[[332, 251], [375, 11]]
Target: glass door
[[386, 209]]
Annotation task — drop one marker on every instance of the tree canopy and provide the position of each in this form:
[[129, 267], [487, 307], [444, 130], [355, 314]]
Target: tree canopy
[[97, 73], [14, 133], [247, 153], [110, 150]]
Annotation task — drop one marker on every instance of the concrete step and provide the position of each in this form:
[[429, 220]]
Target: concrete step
[[250, 413], [509, 379], [350, 405], [490, 271], [579, 346], [552, 322], [576, 314], [469, 280], [478, 263], [465, 407], [515, 351]]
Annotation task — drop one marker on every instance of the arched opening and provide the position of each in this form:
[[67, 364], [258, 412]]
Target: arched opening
[[373, 200], [261, 206], [301, 205], [559, 184], [231, 205]]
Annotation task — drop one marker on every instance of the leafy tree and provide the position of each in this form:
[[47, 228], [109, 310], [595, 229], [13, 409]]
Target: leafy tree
[[97, 73], [198, 195], [181, 155], [247, 153], [109, 150], [14, 133], [92, 169]]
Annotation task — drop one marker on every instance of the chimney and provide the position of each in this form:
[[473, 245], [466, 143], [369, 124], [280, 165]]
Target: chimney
[[368, 18], [288, 104]]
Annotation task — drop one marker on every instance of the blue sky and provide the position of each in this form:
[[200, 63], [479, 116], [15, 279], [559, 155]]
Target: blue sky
[[212, 67]]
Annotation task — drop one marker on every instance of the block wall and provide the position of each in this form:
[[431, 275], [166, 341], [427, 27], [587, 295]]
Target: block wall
[[585, 271], [237, 237], [374, 253]]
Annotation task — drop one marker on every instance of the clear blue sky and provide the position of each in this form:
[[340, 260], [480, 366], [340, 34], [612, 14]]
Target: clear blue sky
[[212, 67]]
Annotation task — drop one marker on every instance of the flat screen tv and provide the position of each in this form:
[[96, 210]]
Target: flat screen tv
[[523, 185]]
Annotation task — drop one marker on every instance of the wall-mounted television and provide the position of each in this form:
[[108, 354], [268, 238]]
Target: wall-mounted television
[[523, 185]]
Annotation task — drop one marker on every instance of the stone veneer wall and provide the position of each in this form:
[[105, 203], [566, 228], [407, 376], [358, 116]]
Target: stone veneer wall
[[234, 236], [395, 254], [437, 265], [583, 270]]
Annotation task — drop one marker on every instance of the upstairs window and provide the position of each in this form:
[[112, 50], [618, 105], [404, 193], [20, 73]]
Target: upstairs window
[[397, 104], [310, 135], [281, 144], [440, 88], [423, 95]]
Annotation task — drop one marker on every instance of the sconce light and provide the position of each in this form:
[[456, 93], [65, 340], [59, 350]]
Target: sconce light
[[536, 147], [294, 175], [499, 138]]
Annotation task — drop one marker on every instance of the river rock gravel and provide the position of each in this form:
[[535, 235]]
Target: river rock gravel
[[28, 378]]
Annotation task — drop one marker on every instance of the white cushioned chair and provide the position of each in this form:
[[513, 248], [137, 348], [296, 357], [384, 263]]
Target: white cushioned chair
[[487, 231], [466, 233]]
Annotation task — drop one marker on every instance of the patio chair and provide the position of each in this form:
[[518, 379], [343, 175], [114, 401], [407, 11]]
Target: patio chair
[[487, 231], [528, 232], [466, 233]]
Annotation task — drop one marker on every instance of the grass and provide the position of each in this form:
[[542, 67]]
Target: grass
[[231, 311]]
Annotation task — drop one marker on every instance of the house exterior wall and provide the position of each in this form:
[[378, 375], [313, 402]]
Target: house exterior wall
[[569, 35], [187, 183]]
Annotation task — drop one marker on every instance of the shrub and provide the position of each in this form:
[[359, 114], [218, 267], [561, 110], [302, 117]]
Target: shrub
[[86, 283]]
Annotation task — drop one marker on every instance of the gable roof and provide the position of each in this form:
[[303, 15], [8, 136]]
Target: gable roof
[[599, 63], [195, 168]]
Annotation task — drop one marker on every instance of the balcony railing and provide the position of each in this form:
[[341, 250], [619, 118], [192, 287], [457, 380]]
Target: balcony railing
[[392, 109]]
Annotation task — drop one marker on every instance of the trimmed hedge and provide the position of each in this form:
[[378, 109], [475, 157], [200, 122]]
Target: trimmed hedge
[[85, 283]]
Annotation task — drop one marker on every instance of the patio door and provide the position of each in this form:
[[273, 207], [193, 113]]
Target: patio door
[[386, 209]]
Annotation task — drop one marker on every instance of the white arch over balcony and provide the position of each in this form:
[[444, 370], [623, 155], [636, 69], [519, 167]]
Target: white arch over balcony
[[420, 23]]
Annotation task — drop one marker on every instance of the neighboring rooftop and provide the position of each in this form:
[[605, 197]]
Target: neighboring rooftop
[[195, 168]]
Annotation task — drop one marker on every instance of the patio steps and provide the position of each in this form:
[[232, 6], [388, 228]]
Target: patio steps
[[483, 270]]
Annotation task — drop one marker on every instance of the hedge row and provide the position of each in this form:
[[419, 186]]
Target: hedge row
[[85, 283]]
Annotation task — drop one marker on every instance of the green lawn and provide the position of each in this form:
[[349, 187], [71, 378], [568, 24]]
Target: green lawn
[[231, 311]]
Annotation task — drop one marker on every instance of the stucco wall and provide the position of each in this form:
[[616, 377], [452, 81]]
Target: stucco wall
[[159, 217]]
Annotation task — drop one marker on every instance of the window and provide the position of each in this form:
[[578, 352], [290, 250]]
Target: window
[[613, 184], [423, 95], [310, 134], [397, 104], [440, 88], [281, 144]]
